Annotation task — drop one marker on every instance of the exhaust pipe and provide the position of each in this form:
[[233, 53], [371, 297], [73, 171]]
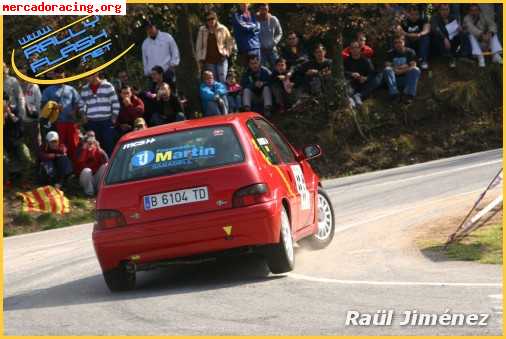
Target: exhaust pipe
[[130, 267]]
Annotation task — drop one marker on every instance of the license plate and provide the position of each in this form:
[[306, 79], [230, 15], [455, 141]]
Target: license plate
[[173, 198]]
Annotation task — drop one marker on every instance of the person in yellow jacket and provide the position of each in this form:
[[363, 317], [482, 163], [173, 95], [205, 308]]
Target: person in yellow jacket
[[214, 46]]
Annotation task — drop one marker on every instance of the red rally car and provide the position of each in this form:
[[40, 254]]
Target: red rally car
[[197, 189]]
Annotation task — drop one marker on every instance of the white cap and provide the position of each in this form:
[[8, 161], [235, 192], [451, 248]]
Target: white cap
[[52, 136]]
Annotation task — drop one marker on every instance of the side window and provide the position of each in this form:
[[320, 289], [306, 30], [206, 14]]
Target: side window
[[262, 142], [284, 150]]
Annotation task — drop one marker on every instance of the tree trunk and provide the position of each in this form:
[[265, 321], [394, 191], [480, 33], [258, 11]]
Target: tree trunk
[[187, 73]]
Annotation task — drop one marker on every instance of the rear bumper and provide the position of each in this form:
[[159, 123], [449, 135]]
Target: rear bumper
[[187, 236]]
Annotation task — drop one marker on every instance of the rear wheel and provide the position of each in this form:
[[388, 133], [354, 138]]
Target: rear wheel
[[119, 279], [280, 256], [326, 223]]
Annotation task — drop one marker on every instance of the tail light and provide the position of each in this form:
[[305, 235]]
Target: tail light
[[251, 195], [109, 219]]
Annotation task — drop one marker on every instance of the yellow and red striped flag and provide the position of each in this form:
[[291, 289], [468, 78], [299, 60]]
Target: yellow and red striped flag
[[45, 199]]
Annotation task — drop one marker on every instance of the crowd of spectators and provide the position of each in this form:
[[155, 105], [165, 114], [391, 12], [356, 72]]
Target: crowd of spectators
[[71, 132]]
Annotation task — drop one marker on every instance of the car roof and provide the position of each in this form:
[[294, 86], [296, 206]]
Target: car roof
[[189, 124]]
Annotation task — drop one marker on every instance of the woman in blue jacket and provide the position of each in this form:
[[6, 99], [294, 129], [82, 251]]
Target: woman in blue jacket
[[213, 95]]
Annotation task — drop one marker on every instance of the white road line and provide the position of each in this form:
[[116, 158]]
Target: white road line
[[390, 283], [402, 210], [423, 176]]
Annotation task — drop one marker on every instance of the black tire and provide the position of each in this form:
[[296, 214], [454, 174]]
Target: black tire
[[119, 279], [314, 241], [279, 258]]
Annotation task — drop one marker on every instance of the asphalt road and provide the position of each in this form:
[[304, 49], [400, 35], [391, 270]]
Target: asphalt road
[[53, 284]]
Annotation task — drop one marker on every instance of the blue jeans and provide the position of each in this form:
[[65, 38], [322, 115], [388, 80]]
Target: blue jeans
[[55, 171], [234, 102], [407, 81], [269, 57], [421, 46], [212, 108], [219, 70], [105, 134]]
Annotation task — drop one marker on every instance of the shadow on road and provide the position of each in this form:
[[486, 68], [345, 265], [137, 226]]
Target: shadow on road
[[227, 272]]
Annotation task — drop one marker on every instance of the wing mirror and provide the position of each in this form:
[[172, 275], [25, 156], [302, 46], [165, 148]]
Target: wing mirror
[[311, 152]]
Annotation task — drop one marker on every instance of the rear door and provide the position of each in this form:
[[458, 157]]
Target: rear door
[[181, 173]]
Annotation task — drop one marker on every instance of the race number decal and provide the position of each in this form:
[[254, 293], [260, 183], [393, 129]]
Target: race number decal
[[305, 201]]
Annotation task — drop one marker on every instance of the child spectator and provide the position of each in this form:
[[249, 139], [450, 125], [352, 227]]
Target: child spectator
[[255, 83], [401, 71], [365, 50], [140, 124], [359, 71], [483, 35], [234, 94], [281, 84], [55, 165], [91, 162], [446, 45], [213, 95], [416, 31], [131, 108]]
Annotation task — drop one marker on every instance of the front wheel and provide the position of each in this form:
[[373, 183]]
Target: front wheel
[[280, 256], [326, 223]]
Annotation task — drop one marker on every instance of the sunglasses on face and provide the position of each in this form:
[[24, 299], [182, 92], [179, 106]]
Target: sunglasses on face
[[211, 19]]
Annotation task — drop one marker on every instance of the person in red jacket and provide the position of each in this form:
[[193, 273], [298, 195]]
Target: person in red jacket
[[131, 108], [55, 165], [365, 50], [91, 162]]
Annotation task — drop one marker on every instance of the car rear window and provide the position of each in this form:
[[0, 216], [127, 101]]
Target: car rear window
[[176, 152]]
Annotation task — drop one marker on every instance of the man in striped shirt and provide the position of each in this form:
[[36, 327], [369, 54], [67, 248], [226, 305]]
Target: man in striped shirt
[[101, 110]]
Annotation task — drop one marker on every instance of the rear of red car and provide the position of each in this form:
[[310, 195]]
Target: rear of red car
[[189, 191]]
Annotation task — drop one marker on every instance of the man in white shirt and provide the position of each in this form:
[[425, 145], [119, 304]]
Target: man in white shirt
[[159, 49]]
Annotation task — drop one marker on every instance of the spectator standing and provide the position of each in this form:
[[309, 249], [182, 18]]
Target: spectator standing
[[234, 94], [270, 35], [69, 102], [365, 50], [213, 95], [281, 84], [159, 49], [316, 74], [214, 46], [14, 92], [246, 33], [101, 109], [131, 108], [483, 35], [445, 44], [401, 70], [255, 83], [360, 74], [55, 165], [91, 163], [31, 129], [293, 52], [14, 147], [416, 31]]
